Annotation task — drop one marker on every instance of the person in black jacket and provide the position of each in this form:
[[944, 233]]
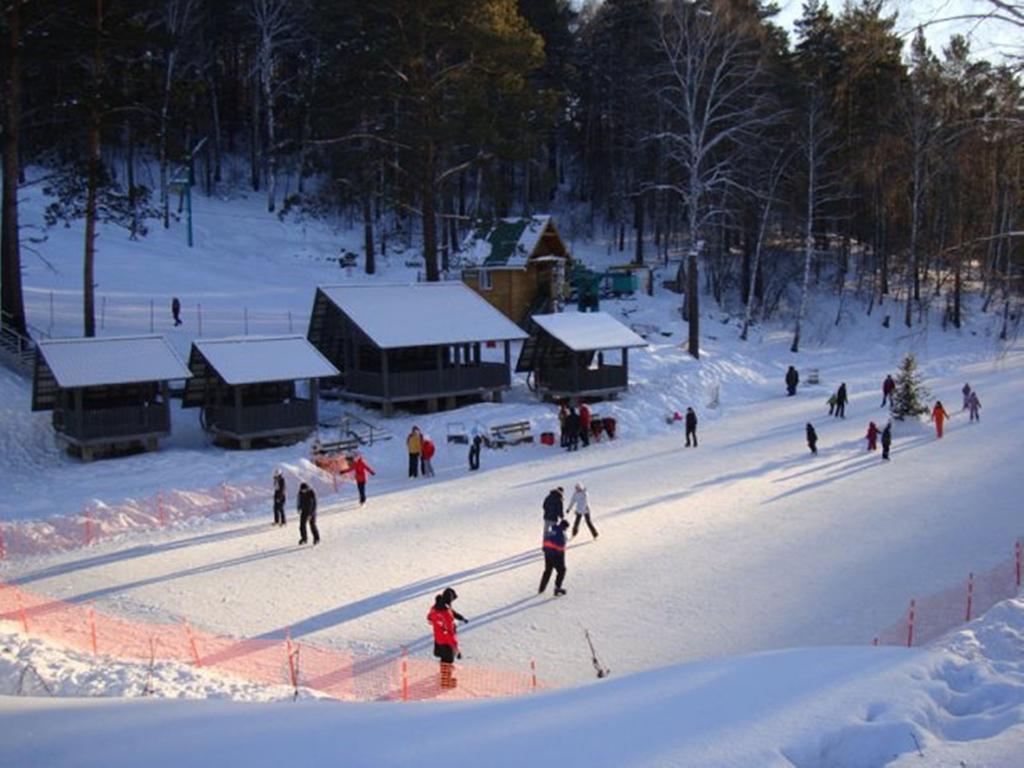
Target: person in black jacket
[[474, 452], [572, 430], [554, 508], [691, 427], [841, 401], [792, 379], [447, 597], [554, 557], [307, 514], [812, 439], [886, 441], [279, 497]]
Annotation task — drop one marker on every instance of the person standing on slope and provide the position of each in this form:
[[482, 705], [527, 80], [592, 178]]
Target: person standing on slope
[[841, 401], [886, 440], [414, 444], [939, 416], [176, 311], [888, 387], [691, 427], [279, 497], [553, 507], [967, 396], [585, 420], [872, 436], [449, 596], [812, 439], [554, 557], [426, 454], [572, 430], [446, 643], [474, 451], [792, 379], [974, 404], [307, 514], [360, 469], [580, 501]]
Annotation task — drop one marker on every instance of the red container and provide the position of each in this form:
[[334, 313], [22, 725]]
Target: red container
[[547, 438]]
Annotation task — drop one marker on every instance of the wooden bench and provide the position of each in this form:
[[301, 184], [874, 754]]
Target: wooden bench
[[513, 433], [813, 376], [331, 455], [457, 433]]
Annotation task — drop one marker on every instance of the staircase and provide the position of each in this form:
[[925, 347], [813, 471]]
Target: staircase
[[17, 351]]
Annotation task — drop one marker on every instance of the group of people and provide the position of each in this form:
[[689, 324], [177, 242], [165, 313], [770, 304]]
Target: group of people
[[574, 426], [837, 402], [421, 453], [305, 503]]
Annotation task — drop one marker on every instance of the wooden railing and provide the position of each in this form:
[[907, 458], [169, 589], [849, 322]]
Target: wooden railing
[[256, 419], [429, 383], [124, 421], [565, 380]]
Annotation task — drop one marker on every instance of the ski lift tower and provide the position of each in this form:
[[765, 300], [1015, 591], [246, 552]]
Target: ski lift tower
[[182, 182]]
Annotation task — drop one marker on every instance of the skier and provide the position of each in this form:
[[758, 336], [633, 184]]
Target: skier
[[279, 497], [414, 443], [176, 311], [812, 439], [474, 451], [888, 387], [832, 399], [359, 469], [426, 454], [792, 379], [886, 440], [554, 557], [585, 419], [967, 396], [572, 430], [974, 404], [553, 507], [307, 514], [581, 502], [872, 436], [841, 401], [691, 427], [446, 643], [939, 416]]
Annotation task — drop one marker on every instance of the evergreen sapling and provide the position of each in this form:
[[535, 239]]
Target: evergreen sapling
[[910, 395]]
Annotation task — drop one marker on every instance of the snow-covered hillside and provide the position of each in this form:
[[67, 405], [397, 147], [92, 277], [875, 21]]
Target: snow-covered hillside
[[745, 545]]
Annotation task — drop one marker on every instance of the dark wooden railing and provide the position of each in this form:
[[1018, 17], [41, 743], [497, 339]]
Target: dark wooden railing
[[567, 380], [429, 383], [256, 419], [125, 421]]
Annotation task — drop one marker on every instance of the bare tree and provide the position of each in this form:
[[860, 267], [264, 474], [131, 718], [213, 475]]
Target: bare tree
[[175, 24], [771, 182], [12, 302], [277, 27], [715, 108], [816, 147]]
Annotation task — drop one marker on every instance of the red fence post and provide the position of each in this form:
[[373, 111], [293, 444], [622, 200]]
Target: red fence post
[[291, 658], [910, 623], [192, 645], [3, 547], [533, 674], [160, 514], [405, 674], [21, 611], [92, 629], [970, 595]]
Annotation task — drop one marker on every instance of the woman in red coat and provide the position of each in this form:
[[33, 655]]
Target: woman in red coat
[[426, 454], [872, 436], [939, 416], [360, 469], [446, 644]]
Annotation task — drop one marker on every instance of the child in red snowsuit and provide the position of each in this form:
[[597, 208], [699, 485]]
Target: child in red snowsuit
[[939, 416], [872, 436], [446, 644]]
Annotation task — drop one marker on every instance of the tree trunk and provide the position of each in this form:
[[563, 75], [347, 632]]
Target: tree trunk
[[254, 143], [165, 109], [808, 238], [267, 67], [693, 305], [129, 172], [215, 115], [427, 193], [12, 301], [638, 225], [94, 160]]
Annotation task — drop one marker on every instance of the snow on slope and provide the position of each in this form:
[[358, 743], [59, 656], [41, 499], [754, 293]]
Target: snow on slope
[[960, 702]]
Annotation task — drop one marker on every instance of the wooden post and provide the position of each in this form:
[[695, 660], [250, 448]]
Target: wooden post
[[224, 492], [970, 595], [160, 515]]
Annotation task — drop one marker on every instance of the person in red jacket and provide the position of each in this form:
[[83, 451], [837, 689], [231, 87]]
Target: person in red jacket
[[939, 416], [427, 451], [585, 419], [872, 436], [360, 469], [446, 644]]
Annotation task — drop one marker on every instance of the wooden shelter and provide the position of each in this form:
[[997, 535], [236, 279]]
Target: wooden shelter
[[106, 394], [429, 342], [256, 388], [519, 266], [578, 354]]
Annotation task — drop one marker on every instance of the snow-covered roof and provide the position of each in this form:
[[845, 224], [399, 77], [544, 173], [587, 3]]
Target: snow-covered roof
[[251, 359], [422, 314], [509, 243], [91, 362], [587, 331]]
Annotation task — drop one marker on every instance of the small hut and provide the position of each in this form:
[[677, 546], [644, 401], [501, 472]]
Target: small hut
[[519, 266], [578, 354], [256, 388], [429, 342], [107, 394]]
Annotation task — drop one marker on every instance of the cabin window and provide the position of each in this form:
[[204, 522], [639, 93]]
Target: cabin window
[[484, 279]]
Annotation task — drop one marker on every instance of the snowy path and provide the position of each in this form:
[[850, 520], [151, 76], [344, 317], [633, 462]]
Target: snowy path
[[744, 544]]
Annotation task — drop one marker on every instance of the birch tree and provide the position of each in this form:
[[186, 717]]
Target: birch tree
[[712, 91]]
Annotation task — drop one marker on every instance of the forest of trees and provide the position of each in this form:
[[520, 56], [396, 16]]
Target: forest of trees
[[690, 129]]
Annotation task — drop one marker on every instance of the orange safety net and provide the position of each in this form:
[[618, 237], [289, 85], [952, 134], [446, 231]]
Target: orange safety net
[[278, 661]]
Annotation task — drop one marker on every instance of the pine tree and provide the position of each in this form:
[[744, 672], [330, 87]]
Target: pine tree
[[911, 394]]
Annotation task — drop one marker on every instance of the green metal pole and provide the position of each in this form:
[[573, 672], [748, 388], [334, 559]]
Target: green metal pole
[[188, 209]]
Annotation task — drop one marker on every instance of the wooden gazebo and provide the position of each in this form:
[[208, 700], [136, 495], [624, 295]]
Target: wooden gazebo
[[256, 388], [107, 394], [432, 343], [578, 354]]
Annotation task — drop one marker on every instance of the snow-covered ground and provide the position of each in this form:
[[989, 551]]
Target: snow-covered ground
[[745, 545]]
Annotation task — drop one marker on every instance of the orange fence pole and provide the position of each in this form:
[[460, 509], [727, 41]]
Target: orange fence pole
[[92, 629], [160, 515], [291, 658], [21, 611], [405, 674], [192, 645], [88, 527], [3, 548], [533, 674]]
